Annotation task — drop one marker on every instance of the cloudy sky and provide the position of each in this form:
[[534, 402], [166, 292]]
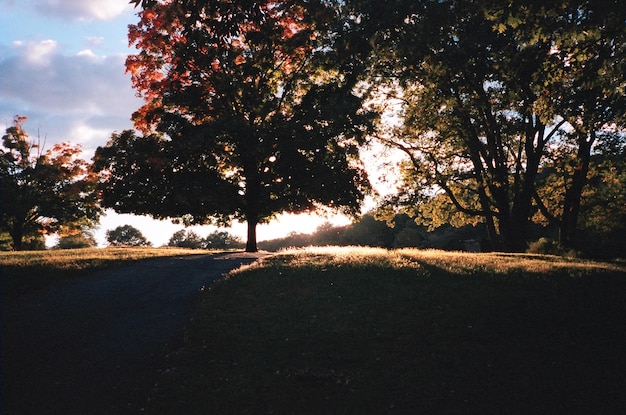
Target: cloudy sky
[[62, 66]]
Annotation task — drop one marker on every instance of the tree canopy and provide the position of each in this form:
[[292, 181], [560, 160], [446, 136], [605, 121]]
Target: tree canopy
[[43, 191], [487, 90], [126, 235], [260, 99]]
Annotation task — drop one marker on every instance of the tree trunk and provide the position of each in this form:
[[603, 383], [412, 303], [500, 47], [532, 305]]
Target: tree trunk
[[17, 235], [571, 203], [251, 245]]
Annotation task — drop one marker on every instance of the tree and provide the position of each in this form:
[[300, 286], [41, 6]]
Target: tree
[[483, 100], [602, 212], [586, 67], [222, 240], [185, 239], [126, 235], [256, 101], [82, 239], [43, 191]]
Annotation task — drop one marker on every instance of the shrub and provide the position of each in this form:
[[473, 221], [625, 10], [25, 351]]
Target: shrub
[[549, 246], [76, 241]]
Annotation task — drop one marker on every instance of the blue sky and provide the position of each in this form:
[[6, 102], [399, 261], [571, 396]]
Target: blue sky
[[62, 66]]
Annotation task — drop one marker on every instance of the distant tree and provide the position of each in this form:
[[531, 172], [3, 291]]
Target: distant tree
[[369, 231], [126, 235], [185, 239], [222, 240], [83, 239], [43, 191], [259, 110], [327, 234]]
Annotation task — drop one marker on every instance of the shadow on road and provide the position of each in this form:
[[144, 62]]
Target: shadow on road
[[95, 346]]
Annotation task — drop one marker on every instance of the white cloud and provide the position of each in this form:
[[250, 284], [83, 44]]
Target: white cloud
[[81, 98], [39, 53], [85, 10], [87, 52], [83, 133]]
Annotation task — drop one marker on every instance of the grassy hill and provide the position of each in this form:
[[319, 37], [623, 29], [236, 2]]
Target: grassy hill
[[354, 331]]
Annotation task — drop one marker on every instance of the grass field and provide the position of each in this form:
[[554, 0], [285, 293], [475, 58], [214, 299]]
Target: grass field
[[27, 271], [369, 331]]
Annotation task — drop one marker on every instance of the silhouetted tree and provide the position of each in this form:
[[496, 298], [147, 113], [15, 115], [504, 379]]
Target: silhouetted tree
[[186, 239], [222, 240], [259, 108], [126, 235]]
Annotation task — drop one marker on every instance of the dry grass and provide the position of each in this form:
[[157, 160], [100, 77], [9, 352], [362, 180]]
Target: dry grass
[[456, 262]]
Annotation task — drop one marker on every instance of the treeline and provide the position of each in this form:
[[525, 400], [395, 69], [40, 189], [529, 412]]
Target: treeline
[[400, 232], [403, 231]]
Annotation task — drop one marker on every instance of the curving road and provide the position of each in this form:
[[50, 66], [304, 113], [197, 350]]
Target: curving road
[[96, 345]]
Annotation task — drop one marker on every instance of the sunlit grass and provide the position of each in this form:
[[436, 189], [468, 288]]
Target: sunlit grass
[[457, 262], [361, 330], [26, 271]]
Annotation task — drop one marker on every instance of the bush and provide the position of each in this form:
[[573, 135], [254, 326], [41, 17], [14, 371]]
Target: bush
[[547, 246], [76, 241]]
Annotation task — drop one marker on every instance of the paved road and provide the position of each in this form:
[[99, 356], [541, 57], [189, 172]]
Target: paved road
[[95, 346]]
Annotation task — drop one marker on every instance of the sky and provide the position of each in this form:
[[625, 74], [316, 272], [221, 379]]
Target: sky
[[62, 66]]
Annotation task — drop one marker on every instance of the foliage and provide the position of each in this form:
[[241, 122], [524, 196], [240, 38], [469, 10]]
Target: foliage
[[256, 101], [222, 240], [126, 235], [373, 331], [84, 239], [185, 239], [5, 241], [401, 231], [486, 90], [545, 246], [215, 240], [603, 202], [43, 191]]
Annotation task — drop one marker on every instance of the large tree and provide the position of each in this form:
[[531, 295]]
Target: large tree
[[487, 89], [585, 84], [43, 191], [257, 99]]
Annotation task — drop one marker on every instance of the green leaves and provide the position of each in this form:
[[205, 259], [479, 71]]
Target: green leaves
[[486, 88]]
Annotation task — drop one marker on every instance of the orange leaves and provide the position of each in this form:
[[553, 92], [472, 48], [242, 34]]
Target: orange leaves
[[218, 49], [239, 60], [133, 65], [290, 27], [148, 14]]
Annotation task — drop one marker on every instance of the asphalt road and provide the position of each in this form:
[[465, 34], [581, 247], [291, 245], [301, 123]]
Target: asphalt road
[[97, 345]]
